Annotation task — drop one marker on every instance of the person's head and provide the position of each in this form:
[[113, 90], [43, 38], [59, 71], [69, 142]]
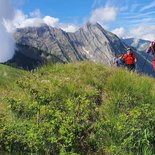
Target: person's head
[[153, 44], [129, 51]]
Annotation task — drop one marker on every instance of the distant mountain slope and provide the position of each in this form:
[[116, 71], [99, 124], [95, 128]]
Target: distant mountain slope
[[50, 40], [90, 42], [27, 57], [96, 43], [140, 46]]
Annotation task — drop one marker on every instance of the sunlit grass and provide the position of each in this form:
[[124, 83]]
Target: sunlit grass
[[82, 108]]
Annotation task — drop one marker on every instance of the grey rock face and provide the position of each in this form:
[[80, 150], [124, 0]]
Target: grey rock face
[[50, 40], [90, 42], [138, 44], [96, 44]]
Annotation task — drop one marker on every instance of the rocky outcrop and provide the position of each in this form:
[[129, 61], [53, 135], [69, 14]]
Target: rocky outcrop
[[50, 40], [91, 42], [96, 43]]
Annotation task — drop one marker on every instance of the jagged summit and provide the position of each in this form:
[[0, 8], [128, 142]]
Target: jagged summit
[[90, 25], [90, 42]]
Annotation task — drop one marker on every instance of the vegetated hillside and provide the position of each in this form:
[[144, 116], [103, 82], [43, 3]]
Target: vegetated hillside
[[80, 108], [9, 74]]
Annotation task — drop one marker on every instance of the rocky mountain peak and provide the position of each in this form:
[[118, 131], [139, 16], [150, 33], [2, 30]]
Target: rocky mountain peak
[[92, 26], [90, 42]]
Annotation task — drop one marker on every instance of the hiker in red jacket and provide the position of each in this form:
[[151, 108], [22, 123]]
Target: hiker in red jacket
[[151, 49], [129, 59]]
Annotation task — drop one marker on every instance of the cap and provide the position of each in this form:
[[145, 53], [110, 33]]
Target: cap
[[128, 49]]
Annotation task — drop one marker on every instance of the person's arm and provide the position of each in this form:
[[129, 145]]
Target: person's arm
[[149, 49], [135, 59], [123, 57]]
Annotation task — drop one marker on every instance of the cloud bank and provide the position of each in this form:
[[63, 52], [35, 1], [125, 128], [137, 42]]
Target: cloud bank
[[7, 43], [104, 15], [120, 32], [135, 19], [125, 19], [35, 19]]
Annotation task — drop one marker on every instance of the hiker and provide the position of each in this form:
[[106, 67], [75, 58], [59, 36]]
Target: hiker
[[117, 61], [129, 60], [151, 49]]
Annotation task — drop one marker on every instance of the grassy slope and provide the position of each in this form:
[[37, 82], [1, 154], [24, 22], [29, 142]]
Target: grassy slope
[[8, 77], [118, 107]]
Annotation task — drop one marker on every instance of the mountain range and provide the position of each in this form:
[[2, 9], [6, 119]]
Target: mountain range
[[38, 45]]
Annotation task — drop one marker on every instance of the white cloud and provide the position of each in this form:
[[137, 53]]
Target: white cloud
[[30, 22], [149, 6], [69, 27], [35, 19], [35, 13], [20, 21], [6, 10], [51, 21], [120, 32], [139, 32], [143, 32], [104, 15], [6, 38], [7, 45]]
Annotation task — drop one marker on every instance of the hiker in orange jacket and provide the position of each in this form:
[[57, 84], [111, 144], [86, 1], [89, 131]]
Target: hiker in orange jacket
[[151, 49], [129, 59]]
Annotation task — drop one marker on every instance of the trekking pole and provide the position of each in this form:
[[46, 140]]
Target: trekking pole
[[145, 62]]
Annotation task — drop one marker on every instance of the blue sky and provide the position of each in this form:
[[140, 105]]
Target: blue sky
[[126, 18], [66, 10]]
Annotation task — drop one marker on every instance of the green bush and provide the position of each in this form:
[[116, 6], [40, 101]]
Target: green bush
[[80, 108], [129, 114]]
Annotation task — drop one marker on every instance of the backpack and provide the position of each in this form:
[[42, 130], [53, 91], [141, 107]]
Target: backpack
[[124, 60]]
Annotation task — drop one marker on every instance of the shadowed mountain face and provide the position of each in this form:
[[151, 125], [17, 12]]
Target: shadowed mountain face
[[90, 42], [29, 58]]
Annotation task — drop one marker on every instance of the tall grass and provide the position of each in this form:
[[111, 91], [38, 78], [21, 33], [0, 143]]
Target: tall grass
[[80, 108]]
